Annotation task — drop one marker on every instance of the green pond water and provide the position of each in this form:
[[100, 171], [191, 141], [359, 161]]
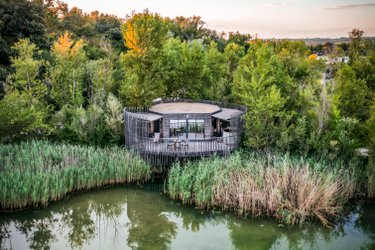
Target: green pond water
[[142, 217]]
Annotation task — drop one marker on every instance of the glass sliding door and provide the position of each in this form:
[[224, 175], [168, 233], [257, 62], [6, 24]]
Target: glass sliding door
[[196, 128], [177, 128]]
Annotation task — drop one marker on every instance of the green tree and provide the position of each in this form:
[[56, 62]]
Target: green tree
[[68, 71], [261, 84], [232, 54], [99, 74], [192, 70], [20, 19], [240, 39], [352, 95], [27, 69], [144, 31], [182, 69], [355, 47], [214, 63], [189, 28], [371, 126], [20, 120], [144, 34], [78, 23], [95, 125]]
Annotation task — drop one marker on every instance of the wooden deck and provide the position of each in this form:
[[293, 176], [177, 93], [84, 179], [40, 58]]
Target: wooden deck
[[190, 149]]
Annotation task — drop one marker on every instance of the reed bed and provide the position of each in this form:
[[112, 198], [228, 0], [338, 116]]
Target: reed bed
[[370, 174], [289, 188], [37, 172]]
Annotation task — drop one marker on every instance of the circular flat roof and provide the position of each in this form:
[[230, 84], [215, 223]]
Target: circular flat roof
[[184, 108]]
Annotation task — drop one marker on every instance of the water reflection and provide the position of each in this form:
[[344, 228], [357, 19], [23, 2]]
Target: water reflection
[[142, 218], [366, 223], [149, 224]]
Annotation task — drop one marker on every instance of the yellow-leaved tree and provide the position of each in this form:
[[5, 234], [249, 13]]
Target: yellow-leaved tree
[[68, 71]]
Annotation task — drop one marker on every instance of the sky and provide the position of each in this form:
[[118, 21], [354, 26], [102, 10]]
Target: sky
[[267, 19]]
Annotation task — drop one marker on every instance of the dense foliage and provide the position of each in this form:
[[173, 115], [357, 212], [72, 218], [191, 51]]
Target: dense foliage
[[68, 75], [35, 173]]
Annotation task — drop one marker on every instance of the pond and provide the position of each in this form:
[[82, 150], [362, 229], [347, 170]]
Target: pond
[[142, 217]]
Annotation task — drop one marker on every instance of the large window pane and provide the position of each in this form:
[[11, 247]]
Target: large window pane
[[196, 128], [177, 128]]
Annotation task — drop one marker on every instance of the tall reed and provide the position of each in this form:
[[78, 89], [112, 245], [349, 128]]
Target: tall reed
[[37, 172], [289, 188]]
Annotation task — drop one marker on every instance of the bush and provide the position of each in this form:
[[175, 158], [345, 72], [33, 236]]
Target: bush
[[21, 119]]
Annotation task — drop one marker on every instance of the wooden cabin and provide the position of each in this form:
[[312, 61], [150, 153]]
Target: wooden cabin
[[184, 128]]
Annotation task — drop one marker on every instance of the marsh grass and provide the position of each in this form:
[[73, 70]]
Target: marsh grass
[[289, 188], [37, 172], [370, 173]]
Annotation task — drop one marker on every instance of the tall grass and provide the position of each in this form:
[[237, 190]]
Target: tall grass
[[370, 173], [289, 188], [35, 173]]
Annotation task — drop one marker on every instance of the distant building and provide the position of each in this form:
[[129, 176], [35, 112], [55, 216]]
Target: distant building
[[341, 59]]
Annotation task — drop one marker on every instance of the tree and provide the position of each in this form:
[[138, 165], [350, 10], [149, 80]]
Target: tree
[[68, 72], [232, 54], [144, 35], [20, 19], [240, 39], [20, 120], [214, 72], [259, 83], [188, 28], [54, 9], [143, 31], [25, 79], [352, 95], [355, 37], [99, 74], [371, 126], [182, 69], [98, 124], [78, 23]]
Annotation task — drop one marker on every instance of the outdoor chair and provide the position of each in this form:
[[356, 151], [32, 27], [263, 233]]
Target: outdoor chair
[[170, 144], [177, 144], [156, 137], [220, 140], [185, 144]]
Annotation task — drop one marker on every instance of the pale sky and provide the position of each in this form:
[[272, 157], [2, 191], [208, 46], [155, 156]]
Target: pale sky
[[268, 19]]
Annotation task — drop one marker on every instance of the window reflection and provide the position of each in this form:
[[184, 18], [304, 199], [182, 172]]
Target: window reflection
[[195, 128], [177, 128]]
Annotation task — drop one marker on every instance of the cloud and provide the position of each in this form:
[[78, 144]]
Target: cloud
[[275, 5], [349, 6]]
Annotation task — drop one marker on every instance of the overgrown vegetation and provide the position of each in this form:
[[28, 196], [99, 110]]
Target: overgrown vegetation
[[292, 189], [66, 76], [35, 173], [72, 79]]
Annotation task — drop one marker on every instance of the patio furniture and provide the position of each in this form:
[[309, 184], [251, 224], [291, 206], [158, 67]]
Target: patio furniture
[[156, 137], [185, 144], [170, 144], [177, 144]]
